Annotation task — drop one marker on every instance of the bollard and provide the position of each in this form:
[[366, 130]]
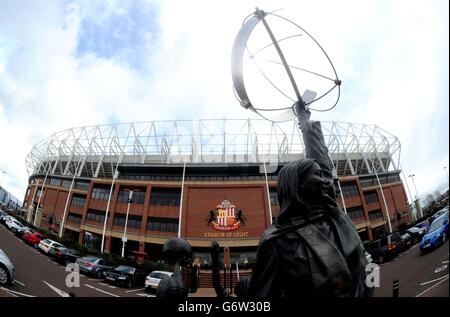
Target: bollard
[[395, 288]]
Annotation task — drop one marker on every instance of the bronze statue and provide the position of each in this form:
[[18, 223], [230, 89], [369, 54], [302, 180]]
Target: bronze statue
[[312, 248]]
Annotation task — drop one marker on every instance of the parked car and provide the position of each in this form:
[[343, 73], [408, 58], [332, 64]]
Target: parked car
[[436, 235], [33, 238], [437, 214], [153, 279], [7, 271], [64, 255], [22, 231], [385, 248], [125, 276], [416, 233], [405, 242], [93, 265], [13, 224], [46, 245]]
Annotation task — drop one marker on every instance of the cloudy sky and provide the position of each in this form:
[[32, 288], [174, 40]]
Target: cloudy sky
[[73, 63]]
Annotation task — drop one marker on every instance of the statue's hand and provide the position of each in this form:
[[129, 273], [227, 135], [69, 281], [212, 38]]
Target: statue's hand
[[303, 115]]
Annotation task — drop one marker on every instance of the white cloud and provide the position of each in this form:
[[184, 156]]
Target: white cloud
[[388, 54]]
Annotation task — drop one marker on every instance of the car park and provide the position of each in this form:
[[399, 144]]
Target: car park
[[93, 265], [436, 235], [153, 279], [46, 244], [33, 238], [126, 276], [7, 271]]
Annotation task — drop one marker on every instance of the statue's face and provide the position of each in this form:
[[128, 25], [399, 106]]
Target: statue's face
[[312, 185]]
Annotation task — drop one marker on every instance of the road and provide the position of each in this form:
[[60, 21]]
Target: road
[[419, 275], [39, 276]]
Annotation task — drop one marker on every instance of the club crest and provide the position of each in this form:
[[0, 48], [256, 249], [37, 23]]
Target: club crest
[[226, 217]]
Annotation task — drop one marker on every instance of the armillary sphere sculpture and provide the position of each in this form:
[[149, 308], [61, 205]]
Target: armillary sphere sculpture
[[286, 43]]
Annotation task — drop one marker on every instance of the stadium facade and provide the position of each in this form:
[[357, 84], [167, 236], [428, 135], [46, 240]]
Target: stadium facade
[[202, 180]]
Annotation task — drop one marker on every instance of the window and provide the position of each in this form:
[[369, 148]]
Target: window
[[96, 216], [100, 193], [66, 183], [165, 196], [370, 197], [40, 192], [55, 182], [367, 182], [162, 224], [273, 196], [138, 196], [350, 190], [393, 178], [78, 201], [133, 221], [355, 213], [74, 218], [375, 214], [82, 186]]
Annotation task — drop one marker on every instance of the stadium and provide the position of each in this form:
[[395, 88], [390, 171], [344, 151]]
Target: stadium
[[202, 180]]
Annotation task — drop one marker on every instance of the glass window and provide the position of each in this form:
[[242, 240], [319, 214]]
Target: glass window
[[355, 213], [133, 221], [165, 196], [78, 201], [55, 182], [370, 197], [96, 216], [82, 186], [66, 183], [350, 190], [100, 193], [162, 224], [138, 196], [74, 218]]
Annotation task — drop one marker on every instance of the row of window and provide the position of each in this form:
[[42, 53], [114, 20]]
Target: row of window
[[80, 185], [372, 181], [153, 223], [137, 198], [196, 178]]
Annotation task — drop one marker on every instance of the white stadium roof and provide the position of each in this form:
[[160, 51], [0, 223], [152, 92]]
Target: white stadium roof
[[94, 151]]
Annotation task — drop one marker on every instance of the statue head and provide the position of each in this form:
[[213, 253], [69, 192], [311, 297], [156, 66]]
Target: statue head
[[300, 186], [177, 250]]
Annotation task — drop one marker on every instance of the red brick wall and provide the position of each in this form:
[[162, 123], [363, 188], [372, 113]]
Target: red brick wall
[[200, 200]]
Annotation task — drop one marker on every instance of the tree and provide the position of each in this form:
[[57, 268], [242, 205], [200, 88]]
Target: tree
[[429, 200]]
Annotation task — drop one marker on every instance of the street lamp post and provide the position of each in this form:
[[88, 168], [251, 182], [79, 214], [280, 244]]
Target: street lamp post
[[124, 239], [412, 177]]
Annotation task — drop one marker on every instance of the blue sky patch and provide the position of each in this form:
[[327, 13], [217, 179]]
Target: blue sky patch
[[129, 34]]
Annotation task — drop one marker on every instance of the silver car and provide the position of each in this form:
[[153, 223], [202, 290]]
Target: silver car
[[7, 271], [93, 265]]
